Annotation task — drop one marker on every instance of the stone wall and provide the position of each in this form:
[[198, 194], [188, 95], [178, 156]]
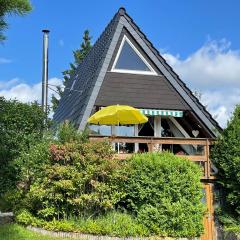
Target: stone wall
[[6, 218]]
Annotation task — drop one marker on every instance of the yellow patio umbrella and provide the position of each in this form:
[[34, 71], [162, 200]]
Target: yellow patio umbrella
[[118, 114]]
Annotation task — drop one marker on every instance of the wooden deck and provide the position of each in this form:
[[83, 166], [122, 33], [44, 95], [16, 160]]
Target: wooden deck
[[202, 158]]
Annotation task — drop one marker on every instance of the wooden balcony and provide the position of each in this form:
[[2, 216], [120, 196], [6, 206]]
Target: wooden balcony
[[202, 158]]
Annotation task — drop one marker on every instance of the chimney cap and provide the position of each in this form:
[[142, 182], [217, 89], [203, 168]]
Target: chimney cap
[[45, 31]]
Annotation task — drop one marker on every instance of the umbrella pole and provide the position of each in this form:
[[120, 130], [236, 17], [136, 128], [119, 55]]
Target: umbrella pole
[[118, 131], [118, 142], [115, 133]]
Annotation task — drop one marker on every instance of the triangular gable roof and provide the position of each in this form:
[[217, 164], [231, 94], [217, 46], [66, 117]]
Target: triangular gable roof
[[77, 105]]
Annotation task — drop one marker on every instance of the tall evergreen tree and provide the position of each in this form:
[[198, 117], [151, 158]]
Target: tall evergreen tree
[[226, 156], [79, 55]]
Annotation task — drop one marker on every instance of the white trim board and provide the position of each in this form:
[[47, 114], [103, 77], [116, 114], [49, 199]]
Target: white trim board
[[180, 128], [125, 39]]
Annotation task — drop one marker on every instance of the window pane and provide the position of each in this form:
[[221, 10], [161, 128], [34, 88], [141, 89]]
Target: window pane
[[100, 130], [129, 60], [127, 131]]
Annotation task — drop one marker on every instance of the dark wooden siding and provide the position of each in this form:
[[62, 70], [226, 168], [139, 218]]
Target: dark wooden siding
[[141, 91]]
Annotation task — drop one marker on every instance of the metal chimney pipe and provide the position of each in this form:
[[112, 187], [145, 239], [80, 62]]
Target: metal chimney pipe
[[45, 72]]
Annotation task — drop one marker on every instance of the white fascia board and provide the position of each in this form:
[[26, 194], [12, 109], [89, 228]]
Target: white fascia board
[[151, 72]]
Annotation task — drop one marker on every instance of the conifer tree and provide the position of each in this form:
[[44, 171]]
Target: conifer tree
[[79, 55], [226, 157]]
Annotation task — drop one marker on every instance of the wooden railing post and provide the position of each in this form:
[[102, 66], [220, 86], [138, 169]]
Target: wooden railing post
[[208, 170], [150, 145]]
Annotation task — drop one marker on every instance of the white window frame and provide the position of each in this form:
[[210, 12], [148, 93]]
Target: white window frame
[[151, 72]]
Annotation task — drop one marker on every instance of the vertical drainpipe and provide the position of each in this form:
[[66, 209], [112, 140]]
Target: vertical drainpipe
[[45, 73]]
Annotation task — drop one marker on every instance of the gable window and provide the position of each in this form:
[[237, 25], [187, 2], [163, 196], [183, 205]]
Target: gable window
[[130, 60]]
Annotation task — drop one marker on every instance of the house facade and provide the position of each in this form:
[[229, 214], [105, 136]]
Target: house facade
[[123, 67]]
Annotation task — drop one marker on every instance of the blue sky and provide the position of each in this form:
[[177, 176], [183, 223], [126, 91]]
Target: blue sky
[[188, 33]]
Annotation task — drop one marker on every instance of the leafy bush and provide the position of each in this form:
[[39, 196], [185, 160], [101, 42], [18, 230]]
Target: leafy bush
[[28, 167], [26, 218], [233, 228], [164, 191], [20, 125], [112, 224], [76, 178], [229, 221], [66, 132], [226, 156]]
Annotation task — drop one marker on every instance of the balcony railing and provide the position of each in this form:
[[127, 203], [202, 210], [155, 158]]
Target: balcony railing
[[202, 157]]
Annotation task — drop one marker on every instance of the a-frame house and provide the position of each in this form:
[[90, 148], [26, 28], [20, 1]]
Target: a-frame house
[[123, 67]]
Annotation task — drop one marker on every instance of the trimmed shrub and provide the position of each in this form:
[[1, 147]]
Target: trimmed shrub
[[164, 192]]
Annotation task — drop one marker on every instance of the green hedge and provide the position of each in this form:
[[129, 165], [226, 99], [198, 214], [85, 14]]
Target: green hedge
[[164, 191]]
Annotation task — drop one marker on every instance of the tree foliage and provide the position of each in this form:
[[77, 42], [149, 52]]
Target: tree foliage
[[20, 124], [226, 157], [165, 193], [79, 55], [12, 7]]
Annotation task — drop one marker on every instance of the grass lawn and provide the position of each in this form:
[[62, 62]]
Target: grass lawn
[[17, 232]]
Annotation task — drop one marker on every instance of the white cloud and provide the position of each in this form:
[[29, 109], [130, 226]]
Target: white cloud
[[4, 60], [213, 70], [221, 103], [213, 65], [27, 92], [10, 83]]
